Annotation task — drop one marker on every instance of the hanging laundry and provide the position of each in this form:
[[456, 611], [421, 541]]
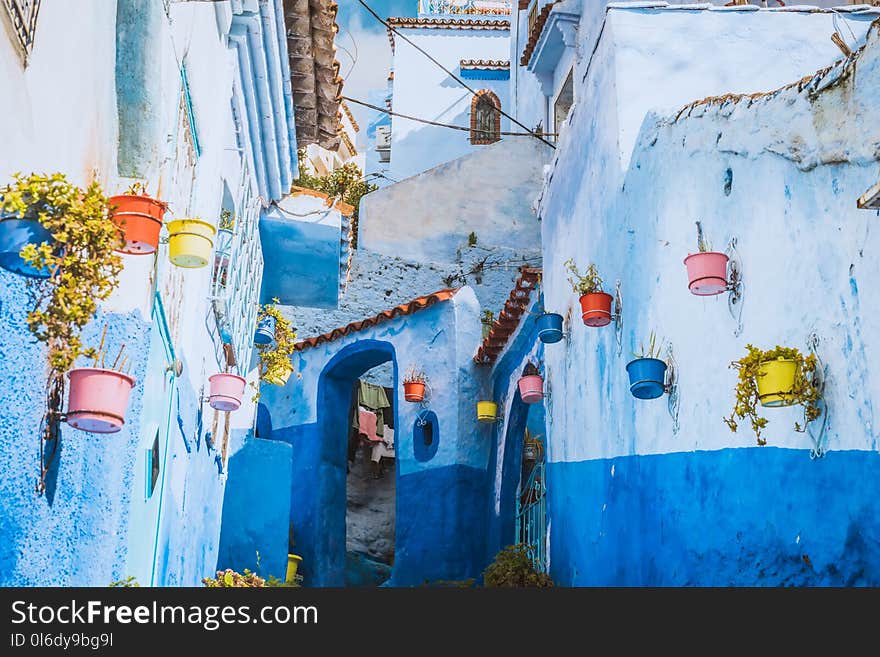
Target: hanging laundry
[[385, 447], [367, 425], [373, 398]]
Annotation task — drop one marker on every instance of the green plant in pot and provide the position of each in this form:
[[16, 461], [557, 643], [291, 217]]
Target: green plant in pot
[[83, 269], [513, 568], [275, 363], [487, 319], [781, 376], [595, 303]]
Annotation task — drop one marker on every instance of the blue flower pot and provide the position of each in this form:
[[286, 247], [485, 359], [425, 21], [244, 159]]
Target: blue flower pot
[[265, 332], [15, 234], [646, 377], [550, 328]]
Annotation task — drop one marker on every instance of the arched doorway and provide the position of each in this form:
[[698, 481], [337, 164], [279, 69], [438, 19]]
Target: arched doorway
[[325, 521], [522, 500]]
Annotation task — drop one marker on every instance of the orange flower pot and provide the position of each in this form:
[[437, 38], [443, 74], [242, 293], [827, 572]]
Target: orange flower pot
[[413, 391], [141, 219], [596, 308]]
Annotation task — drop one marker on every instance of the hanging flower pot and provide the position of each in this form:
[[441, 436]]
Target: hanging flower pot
[[531, 388], [98, 399], [140, 217], [596, 308], [15, 234], [293, 562], [265, 333], [487, 411], [776, 379], [226, 391], [647, 377], [707, 273], [278, 379], [550, 328], [414, 391], [190, 242]]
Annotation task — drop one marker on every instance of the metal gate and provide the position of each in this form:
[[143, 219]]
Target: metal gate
[[531, 517]]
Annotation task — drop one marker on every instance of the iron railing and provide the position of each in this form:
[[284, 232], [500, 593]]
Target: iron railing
[[531, 517]]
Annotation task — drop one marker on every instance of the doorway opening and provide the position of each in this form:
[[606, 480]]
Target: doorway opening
[[370, 479]]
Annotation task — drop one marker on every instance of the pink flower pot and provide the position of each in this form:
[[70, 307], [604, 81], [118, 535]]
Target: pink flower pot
[[226, 391], [707, 273], [531, 388], [98, 399]]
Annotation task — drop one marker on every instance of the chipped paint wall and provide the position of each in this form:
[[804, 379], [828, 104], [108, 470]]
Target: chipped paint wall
[[99, 523], [631, 501], [439, 528]]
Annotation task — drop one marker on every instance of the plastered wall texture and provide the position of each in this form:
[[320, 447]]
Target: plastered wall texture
[[631, 501]]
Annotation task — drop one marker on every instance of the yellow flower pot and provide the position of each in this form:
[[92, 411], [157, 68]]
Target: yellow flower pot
[[190, 242], [775, 381], [278, 380], [487, 411], [293, 561]]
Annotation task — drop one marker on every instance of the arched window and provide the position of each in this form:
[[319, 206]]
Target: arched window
[[485, 118]]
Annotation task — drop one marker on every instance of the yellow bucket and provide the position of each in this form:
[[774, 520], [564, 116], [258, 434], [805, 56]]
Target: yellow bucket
[[293, 561], [190, 242], [487, 411], [775, 381]]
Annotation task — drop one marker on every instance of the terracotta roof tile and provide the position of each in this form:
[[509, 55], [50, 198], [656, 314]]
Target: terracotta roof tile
[[419, 303], [535, 33], [508, 319], [484, 64], [445, 24], [343, 207]]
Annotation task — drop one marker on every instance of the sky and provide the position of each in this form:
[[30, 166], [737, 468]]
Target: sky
[[363, 51]]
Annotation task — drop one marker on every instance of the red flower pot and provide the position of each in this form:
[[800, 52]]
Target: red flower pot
[[141, 219], [413, 391], [707, 273], [596, 308], [531, 388], [98, 399]]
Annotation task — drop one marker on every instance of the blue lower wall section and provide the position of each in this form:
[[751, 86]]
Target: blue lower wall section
[[742, 517], [256, 509], [440, 532], [440, 517]]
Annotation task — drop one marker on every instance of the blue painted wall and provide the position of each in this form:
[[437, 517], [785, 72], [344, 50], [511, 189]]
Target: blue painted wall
[[256, 509], [138, 84], [741, 517], [439, 510], [75, 534]]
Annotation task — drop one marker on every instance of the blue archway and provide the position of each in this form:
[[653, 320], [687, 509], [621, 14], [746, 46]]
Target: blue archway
[[323, 524]]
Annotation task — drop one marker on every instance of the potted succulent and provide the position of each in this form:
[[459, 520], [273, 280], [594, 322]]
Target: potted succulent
[[140, 216], [190, 242], [707, 269], [414, 382], [487, 411], [99, 395], [647, 373], [275, 364], [531, 385], [595, 304], [781, 376]]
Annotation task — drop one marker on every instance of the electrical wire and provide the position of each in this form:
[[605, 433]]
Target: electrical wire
[[448, 72], [436, 123]]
